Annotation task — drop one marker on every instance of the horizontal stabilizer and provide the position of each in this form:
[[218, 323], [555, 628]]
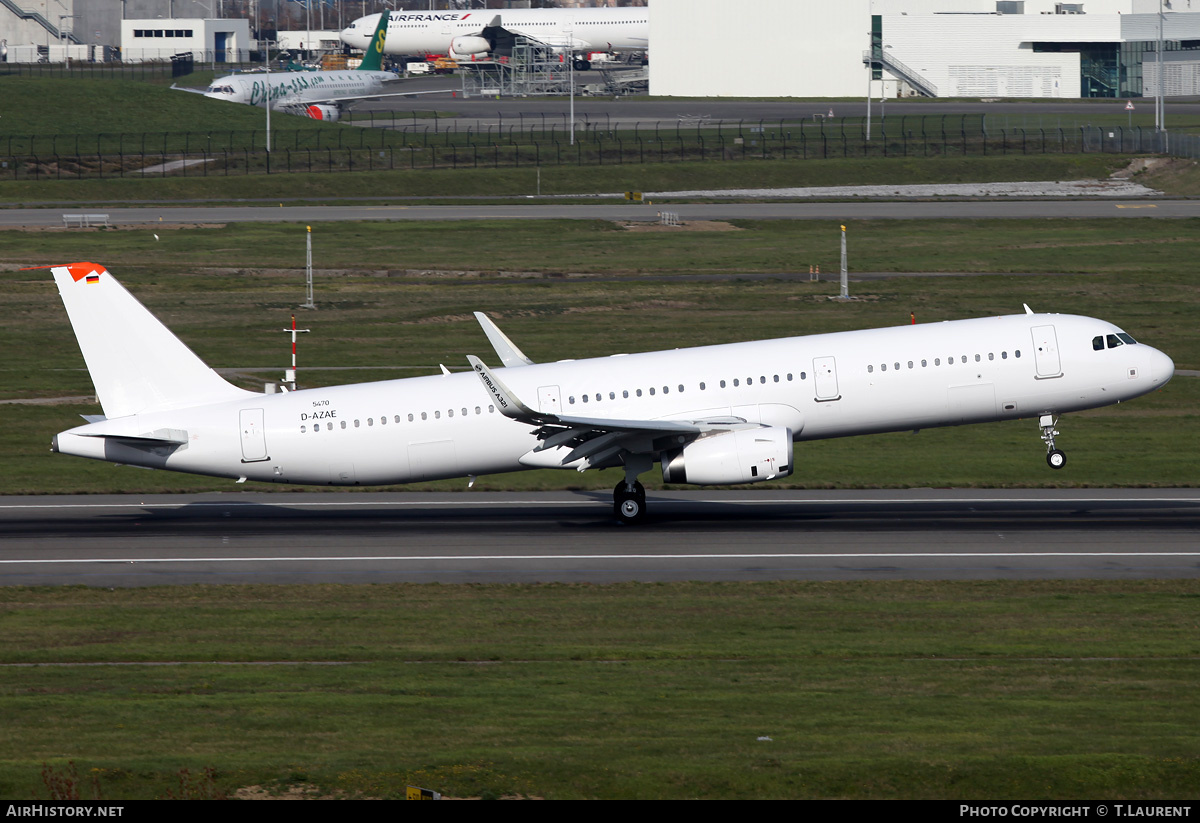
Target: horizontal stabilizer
[[158, 437]]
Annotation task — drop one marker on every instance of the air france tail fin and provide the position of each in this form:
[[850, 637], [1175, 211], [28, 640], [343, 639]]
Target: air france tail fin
[[373, 57], [136, 363]]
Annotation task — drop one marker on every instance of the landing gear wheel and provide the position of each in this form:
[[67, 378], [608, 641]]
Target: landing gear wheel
[[629, 506], [1056, 458]]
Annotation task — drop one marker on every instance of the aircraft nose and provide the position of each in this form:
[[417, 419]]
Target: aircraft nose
[[1162, 367]]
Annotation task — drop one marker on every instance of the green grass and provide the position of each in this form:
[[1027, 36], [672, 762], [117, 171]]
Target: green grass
[[229, 309], [989, 690]]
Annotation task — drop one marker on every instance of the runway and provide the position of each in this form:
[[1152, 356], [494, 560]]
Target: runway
[[574, 209], [571, 537]]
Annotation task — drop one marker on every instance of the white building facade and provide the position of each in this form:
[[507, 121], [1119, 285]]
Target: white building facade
[[207, 40], [938, 48]]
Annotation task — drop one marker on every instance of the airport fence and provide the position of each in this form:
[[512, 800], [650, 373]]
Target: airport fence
[[420, 145]]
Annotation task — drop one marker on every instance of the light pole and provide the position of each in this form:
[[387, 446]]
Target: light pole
[[66, 52], [571, 77]]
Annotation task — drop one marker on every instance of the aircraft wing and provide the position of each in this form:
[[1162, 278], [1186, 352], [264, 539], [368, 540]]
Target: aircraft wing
[[185, 88], [350, 98], [593, 442]]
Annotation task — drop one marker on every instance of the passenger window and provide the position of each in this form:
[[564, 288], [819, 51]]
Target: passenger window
[[722, 384], [370, 421], [991, 356], [735, 382], [870, 369], [651, 391], [437, 415], [883, 366], [910, 365], [625, 394]]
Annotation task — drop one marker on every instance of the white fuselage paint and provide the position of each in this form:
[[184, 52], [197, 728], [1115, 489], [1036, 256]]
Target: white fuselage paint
[[339, 436], [297, 88], [589, 29]]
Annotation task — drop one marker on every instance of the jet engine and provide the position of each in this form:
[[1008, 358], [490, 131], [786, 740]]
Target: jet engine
[[323, 111], [742, 456], [470, 44]]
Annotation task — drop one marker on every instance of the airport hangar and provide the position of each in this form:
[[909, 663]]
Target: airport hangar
[[933, 48]]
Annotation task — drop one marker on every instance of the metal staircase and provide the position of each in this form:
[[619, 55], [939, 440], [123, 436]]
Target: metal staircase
[[921, 84], [40, 20]]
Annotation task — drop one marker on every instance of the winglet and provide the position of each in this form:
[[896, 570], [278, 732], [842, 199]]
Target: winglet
[[507, 402], [507, 351]]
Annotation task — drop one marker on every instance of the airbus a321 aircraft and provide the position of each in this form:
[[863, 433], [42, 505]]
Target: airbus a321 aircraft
[[722, 414], [468, 34], [316, 94]]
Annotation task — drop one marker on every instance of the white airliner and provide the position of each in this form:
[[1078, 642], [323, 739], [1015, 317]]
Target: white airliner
[[316, 94], [722, 414], [467, 34]]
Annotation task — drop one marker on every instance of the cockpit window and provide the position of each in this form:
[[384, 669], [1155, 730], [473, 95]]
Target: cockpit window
[[1112, 341]]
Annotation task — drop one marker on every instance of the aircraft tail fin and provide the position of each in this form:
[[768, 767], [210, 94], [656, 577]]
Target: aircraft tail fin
[[373, 57], [135, 362]]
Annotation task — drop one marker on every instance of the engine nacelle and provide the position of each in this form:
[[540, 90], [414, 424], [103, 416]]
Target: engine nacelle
[[470, 44], [743, 456], [323, 111]]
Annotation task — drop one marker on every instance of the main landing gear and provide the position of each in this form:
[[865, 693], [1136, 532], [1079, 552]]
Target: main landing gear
[[629, 502], [1055, 457], [629, 497]]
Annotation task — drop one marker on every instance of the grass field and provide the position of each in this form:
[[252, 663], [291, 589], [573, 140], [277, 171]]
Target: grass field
[[988, 690], [985, 690], [396, 326]]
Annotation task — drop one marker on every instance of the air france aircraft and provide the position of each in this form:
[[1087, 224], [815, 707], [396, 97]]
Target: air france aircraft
[[714, 415], [316, 94], [467, 34]]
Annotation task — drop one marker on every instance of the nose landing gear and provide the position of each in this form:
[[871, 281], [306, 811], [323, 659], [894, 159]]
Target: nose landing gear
[[1055, 457]]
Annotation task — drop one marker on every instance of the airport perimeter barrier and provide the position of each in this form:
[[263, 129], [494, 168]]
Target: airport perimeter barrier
[[189, 155]]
